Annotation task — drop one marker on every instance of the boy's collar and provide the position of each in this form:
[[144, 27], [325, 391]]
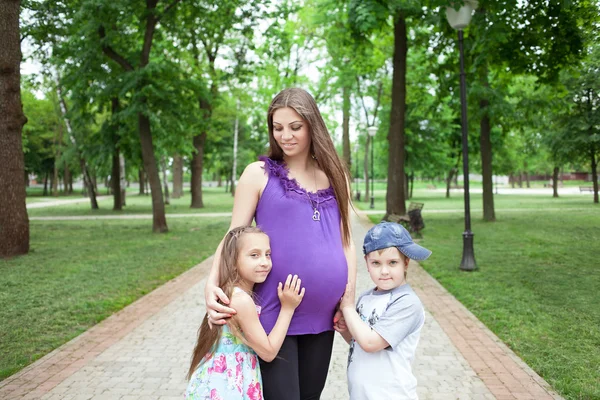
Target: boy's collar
[[398, 289]]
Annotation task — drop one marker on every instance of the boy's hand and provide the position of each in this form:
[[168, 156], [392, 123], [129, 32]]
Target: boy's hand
[[289, 293], [339, 322], [348, 298]]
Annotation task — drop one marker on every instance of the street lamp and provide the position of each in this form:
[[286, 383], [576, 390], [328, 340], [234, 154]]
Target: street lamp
[[459, 20], [372, 130], [357, 192]]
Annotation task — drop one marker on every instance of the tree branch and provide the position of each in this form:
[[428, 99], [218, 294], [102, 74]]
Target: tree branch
[[378, 101], [111, 53], [362, 100], [167, 9]]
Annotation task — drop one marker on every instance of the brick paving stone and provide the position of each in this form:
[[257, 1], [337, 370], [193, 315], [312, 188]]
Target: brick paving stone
[[143, 351]]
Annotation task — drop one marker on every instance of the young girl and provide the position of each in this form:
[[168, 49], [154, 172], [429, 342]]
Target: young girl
[[224, 364]]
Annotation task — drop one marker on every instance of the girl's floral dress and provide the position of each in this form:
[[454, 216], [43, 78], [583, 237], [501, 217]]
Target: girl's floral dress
[[233, 373]]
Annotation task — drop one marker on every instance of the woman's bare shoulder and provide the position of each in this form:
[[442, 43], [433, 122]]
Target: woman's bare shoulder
[[255, 169]]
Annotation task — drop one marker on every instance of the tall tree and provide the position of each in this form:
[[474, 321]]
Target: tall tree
[[540, 37], [582, 121], [366, 17], [151, 16], [14, 222], [213, 29]]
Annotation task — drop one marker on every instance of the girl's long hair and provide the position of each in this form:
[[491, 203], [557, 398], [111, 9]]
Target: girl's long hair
[[228, 278], [321, 147]]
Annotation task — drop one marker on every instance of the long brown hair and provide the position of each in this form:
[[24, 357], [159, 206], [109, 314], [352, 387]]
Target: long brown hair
[[321, 147], [228, 279]]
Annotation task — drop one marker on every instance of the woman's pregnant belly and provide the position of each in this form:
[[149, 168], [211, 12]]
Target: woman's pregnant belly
[[324, 272]]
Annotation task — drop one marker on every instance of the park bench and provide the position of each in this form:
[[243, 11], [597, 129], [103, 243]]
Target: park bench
[[413, 220], [586, 189]]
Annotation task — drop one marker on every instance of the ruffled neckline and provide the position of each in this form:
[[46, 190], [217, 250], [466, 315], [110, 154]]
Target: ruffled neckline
[[281, 171]]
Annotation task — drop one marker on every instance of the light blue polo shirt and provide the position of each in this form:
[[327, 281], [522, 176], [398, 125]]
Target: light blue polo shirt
[[397, 315]]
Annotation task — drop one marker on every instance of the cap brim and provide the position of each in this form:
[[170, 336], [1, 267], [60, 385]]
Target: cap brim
[[415, 252]]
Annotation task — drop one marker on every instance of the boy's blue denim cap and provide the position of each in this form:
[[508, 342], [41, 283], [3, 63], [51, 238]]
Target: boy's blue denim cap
[[391, 234]]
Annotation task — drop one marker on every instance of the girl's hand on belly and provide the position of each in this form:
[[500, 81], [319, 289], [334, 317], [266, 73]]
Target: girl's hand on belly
[[289, 293]]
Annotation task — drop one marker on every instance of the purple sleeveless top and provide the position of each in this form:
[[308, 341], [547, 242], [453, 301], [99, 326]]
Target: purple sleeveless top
[[312, 250]]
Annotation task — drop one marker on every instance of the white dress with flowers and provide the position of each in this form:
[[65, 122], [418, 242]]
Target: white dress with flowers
[[232, 373]]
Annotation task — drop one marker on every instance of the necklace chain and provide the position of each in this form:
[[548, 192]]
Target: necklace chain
[[316, 214]]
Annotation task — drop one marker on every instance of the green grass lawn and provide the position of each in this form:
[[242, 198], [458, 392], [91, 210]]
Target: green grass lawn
[[537, 284], [78, 273], [215, 200]]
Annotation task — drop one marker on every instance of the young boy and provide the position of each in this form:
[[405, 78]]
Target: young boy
[[383, 330]]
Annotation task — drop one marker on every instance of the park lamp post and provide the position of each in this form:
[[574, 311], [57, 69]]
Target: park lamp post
[[372, 130], [459, 20], [357, 190]]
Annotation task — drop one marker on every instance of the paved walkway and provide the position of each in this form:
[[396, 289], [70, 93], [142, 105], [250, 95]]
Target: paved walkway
[[143, 351], [52, 203]]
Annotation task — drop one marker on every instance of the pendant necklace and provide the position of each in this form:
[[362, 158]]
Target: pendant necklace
[[316, 214]]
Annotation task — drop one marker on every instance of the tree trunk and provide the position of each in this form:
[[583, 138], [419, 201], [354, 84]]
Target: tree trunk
[[159, 219], [89, 184], [366, 168], [198, 157], [395, 199], [555, 182], [45, 192], [177, 176], [55, 180], [142, 179], [485, 143], [235, 152], [594, 170], [412, 185], [165, 180], [197, 163], [66, 179], [57, 146], [116, 162], [561, 175], [116, 179], [123, 175], [220, 180], [449, 181], [526, 173], [14, 221], [346, 126]]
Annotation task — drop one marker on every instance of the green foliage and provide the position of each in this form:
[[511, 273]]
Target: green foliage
[[40, 134]]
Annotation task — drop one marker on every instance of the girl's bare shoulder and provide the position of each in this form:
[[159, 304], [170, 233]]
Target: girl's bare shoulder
[[242, 301]]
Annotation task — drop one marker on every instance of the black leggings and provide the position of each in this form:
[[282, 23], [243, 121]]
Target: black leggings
[[300, 369]]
